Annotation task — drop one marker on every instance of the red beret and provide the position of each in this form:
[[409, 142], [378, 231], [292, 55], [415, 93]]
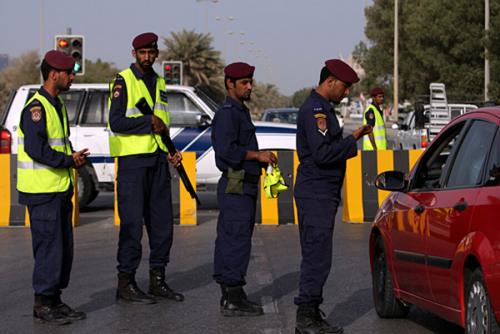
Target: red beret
[[145, 40], [376, 91], [341, 71], [59, 60], [239, 70]]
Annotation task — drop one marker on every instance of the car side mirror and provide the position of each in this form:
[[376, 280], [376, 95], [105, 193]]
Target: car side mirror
[[391, 181], [203, 120]]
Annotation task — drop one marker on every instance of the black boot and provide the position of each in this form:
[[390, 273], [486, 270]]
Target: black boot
[[158, 287], [128, 291], [235, 304], [310, 320], [45, 312], [67, 311]]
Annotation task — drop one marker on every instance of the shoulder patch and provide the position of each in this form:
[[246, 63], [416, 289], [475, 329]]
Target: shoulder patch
[[371, 115], [117, 89], [36, 113]]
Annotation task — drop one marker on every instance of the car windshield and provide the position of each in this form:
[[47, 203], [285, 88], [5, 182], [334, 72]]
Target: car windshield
[[209, 101], [281, 116]]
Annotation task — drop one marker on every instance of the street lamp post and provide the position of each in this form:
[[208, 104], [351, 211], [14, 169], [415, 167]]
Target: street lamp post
[[396, 59], [206, 11], [224, 19], [486, 56]]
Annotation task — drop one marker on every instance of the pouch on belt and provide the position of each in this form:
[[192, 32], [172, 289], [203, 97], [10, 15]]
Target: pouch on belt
[[235, 181]]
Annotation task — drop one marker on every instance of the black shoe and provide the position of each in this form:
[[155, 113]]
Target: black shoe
[[49, 314], [70, 313], [158, 287], [129, 292], [310, 320], [235, 304]]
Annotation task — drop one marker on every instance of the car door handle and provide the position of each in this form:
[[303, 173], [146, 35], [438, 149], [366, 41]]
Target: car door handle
[[460, 206], [419, 209]]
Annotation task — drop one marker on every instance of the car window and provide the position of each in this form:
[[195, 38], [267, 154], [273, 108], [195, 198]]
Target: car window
[[429, 172], [183, 112], [471, 155], [96, 109], [493, 168], [72, 100]]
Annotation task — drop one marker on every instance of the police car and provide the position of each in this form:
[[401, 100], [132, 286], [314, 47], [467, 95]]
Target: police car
[[191, 113]]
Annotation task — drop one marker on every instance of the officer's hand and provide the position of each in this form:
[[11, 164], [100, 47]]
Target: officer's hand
[[158, 125], [176, 159], [361, 131], [267, 157], [79, 157]]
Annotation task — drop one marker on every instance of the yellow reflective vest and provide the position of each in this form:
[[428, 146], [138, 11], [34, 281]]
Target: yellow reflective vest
[[123, 144], [34, 177], [378, 131]]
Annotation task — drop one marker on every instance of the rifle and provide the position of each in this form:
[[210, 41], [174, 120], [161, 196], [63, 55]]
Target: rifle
[[144, 108]]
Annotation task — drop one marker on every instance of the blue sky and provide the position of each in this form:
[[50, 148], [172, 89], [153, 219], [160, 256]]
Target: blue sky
[[287, 40]]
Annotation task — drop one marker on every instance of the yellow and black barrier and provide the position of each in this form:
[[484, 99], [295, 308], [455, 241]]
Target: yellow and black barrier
[[184, 206], [361, 199], [13, 214]]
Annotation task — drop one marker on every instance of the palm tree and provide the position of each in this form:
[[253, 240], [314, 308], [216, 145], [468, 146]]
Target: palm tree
[[202, 64]]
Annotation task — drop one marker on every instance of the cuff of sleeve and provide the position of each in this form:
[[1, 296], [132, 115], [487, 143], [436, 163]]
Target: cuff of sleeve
[[68, 161]]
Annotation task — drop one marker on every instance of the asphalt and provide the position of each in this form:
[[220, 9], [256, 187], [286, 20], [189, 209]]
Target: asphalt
[[272, 280]]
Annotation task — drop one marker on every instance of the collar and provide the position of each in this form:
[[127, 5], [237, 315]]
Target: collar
[[49, 97], [376, 106], [139, 74], [319, 98], [230, 102]]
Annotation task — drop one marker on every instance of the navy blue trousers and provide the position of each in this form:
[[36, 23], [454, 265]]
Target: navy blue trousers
[[234, 234], [144, 197], [316, 223], [52, 239]]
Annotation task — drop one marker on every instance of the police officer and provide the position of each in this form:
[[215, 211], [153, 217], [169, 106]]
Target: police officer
[[144, 188], [374, 117], [45, 185], [322, 152], [237, 155]]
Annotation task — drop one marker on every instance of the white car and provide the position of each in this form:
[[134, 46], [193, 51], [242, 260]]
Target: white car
[[191, 115]]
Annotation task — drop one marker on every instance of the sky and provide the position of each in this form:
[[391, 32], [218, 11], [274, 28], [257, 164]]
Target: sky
[[287, 40]]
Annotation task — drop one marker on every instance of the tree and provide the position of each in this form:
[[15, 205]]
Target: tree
[[98, 72], [266, 96], [439, 41], [202, 63], [299, 97], [21, 71]]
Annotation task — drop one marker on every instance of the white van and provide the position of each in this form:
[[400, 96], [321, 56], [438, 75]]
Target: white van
[[191, 111]]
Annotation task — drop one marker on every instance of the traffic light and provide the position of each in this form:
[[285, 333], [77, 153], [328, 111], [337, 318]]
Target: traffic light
[[172, 72], [72, 45]]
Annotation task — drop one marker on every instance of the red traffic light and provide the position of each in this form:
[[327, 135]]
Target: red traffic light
[[168, 67], [62, 43]]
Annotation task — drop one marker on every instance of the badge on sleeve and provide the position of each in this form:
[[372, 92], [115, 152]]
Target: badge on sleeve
[[36, 113], [117, 90], [371, 115], [321, 122]]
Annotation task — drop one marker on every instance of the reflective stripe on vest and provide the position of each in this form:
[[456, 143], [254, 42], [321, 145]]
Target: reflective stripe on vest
[[34, 177], [122, 144], [378, 131]]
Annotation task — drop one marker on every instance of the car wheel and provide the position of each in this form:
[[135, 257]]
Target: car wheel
[[479, 315], [386, 303], [87, 190]]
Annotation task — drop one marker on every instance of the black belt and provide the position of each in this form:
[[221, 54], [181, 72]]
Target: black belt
[[249, 178]]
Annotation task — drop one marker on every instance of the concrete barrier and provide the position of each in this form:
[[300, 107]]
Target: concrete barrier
[[361, 199], [13, 214]]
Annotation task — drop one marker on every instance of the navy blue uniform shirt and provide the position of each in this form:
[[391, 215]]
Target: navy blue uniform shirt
[[322, 150], [370, 117], [119, 122], [36, 144], [233, 134]]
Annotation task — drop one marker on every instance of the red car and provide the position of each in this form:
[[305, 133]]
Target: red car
[[435, 242]]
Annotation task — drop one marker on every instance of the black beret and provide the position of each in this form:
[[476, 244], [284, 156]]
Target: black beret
[[239, 70], [59, 60], [341, 71], [145, 40], [376, 91]]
